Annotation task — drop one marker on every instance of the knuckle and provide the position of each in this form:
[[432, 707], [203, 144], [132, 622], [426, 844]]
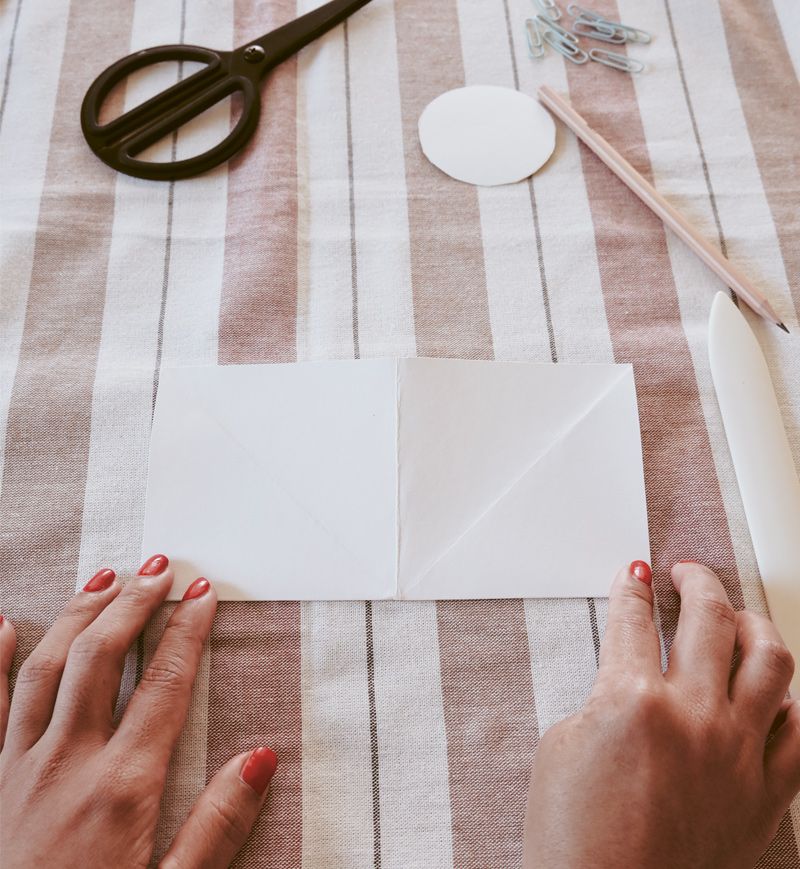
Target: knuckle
[[776, 657], [50, 766], [40, 667], [716, 608], [181, 634], [641, 705], [173, 861], [166, 672], [80, 608], [748, 624], [137, 595], [94, 645], [126, 786], [636, 623]]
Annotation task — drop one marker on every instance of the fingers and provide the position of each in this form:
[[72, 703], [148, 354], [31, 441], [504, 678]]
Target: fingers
[[782, 757], [702, 650], [8, 644], [96, 658], [764, 671], [39, 677], [224, 814], [157, 711], [631, 642]]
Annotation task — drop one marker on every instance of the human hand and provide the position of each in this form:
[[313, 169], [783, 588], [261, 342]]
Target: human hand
[[74, 788], [694, 767]]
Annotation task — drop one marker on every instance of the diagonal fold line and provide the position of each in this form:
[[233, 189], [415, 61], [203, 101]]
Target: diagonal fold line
[[282, 487], [518, 479]]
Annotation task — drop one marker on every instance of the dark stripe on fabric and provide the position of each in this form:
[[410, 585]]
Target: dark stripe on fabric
[[370, 642], [168, 242], [9, 60], [723, 246], [590, 601], [373, 739], [534, 210], [696, 132], [49, 419], [140, 641], [164, 286]]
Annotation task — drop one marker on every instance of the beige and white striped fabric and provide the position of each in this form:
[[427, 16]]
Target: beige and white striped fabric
[[405, 730]]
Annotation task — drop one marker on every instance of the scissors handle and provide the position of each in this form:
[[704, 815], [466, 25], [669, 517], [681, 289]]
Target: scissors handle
[[118, 142], [225, 72]]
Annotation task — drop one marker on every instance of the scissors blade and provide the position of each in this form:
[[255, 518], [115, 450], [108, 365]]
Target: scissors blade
[[287, 40]]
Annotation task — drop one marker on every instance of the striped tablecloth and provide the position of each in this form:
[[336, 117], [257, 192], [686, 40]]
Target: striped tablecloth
[[405, 730]]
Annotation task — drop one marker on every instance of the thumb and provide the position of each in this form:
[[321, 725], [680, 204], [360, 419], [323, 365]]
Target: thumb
[[224, 813]]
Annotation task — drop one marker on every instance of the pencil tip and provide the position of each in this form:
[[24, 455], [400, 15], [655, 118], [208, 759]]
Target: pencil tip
[[783, 326]]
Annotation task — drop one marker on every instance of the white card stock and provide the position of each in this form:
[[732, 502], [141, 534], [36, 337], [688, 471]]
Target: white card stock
[[487, 135], [412, 479]]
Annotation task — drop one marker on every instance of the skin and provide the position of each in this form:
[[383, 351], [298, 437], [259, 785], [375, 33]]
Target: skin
[[693, 767], [72, 783]]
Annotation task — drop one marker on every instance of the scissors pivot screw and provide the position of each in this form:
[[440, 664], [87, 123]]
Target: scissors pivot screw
[[254, 53]]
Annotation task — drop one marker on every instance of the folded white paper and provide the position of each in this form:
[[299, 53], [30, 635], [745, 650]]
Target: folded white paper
[[413, 479]]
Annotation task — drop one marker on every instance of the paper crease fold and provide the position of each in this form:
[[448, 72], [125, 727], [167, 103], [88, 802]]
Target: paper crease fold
[[572, 426]]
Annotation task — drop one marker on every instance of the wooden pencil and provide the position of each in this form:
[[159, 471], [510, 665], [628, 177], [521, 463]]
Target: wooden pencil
[[744, 288]]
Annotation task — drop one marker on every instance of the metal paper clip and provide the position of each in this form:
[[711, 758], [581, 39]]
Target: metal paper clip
[[632, 34], [616, 61], [596, 28], [579, 12], [549, 8], [534, 37], [548, 24], [567, 47]]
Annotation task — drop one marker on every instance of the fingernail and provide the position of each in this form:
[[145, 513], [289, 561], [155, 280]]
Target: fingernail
[[259, 768], [641, 570], [2, 619], [101, 580], [154, 565], [198, 588]]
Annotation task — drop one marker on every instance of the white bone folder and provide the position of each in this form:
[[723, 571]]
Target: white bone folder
[[763, 462]]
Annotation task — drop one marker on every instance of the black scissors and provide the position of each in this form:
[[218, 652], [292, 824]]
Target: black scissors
[[118, 142]]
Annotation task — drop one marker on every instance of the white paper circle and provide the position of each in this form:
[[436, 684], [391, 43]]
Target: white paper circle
[[487, 135]]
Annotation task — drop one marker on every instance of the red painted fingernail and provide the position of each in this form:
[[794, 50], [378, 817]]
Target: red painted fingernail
[[154, 565], [101, 580], [259, 768], [198, 588], [2, 619], [641, 570]]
